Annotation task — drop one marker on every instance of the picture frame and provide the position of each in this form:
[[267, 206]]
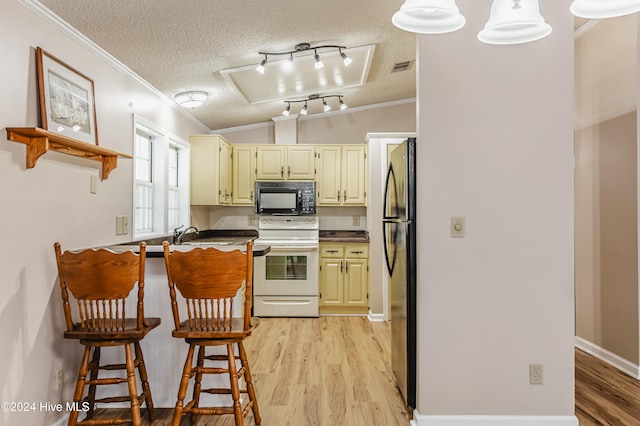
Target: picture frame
[[66, 98]]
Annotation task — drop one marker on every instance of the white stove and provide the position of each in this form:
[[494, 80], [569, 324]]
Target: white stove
[[285, 281]]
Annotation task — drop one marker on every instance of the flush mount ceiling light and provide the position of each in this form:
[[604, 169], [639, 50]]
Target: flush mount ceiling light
[[429, 16], [300, 49], [191, 99], [325, 106], [514, 22], [600, 9]]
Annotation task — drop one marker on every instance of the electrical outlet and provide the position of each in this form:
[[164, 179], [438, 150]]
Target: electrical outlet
[[251, 220], [125, 225], [356, 220], [536, 374]]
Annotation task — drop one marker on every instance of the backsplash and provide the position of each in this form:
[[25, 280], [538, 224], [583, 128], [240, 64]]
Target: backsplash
[[331, 218]]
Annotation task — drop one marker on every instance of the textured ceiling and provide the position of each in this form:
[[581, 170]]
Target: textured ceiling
[[184, 45], [179, 45]]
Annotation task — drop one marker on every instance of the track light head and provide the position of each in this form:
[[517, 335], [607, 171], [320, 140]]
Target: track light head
[[286, 111], [304, 109], [326, 106], [345, 59], [343, 106], [260, 68], [319, 63]]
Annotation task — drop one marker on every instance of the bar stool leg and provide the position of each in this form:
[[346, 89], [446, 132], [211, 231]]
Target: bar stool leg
[[249, 381], [198, 384], [133, 391], [82, 375], [94, 367], [184, 383], [142, 370], [235, 389]]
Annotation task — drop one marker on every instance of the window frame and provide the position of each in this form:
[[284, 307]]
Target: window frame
[[163, 144]]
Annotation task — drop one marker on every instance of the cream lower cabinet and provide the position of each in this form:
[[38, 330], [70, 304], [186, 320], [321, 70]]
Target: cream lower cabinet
[[244, 175], [286, 162], [344, 278], [210, 170], [342, 175]]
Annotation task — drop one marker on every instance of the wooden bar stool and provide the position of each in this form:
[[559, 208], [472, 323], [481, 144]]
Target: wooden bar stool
[[208, 280], [100, 281]]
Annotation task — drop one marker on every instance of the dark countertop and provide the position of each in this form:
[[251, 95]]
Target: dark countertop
[[223, 239], [339, 236]]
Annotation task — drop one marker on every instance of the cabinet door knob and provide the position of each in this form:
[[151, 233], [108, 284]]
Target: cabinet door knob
[[338, 195], [282, 171], [341, 268], [347, 268], [289, 171]]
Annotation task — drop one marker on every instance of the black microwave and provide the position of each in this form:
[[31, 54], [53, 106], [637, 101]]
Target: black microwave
[[287, 198]]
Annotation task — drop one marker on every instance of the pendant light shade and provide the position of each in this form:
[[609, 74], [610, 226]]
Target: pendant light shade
[[514, 22], [600, 9], [428, 16]]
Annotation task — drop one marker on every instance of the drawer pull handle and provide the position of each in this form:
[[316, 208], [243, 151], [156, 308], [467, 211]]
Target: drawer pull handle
[[332, 251], [357, 252]]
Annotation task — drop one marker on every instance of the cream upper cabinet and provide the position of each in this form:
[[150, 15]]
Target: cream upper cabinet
[[285, 162], [244, 174], [210, 170], [342, 175]]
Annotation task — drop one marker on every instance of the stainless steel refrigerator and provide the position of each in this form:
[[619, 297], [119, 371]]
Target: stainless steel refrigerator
[[399, 231]]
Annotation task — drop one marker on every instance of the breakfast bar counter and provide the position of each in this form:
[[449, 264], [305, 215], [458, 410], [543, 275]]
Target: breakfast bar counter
[[164, 355]]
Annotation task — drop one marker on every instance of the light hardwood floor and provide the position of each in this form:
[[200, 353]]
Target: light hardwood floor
[[604, 395], [327, 371], [335, 371]]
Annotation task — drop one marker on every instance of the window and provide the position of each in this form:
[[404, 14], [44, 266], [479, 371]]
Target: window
[[161, 181]]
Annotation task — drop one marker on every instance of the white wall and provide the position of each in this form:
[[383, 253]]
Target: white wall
[[51, 202], [495, 145]]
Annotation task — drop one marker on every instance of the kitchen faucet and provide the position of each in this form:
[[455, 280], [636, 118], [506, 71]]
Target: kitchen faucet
[[177, 236]]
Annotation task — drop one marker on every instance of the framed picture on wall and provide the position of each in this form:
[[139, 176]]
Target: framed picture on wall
[[67, 99]]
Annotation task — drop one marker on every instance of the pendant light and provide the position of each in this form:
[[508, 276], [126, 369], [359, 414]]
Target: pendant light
[[600, 9], [429, 16], [514, 22]]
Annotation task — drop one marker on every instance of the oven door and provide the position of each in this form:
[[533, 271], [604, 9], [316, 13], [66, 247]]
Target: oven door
[[287, 271]]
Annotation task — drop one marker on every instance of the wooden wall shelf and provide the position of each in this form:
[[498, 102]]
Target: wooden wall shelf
[[39, 141]]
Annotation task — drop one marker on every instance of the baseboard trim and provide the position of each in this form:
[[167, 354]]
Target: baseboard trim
[[470, 420], [375, 317], [610, 358]]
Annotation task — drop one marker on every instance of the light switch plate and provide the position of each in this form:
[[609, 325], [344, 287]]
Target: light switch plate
[[125, 225], [118, 225], [93, 187], [457, 227]]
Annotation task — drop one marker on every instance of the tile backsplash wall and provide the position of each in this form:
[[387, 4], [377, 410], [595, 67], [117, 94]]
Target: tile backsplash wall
[[331, 218]]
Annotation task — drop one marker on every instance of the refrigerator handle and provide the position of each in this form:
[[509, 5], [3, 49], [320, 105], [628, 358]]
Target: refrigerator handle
[[389, 263]]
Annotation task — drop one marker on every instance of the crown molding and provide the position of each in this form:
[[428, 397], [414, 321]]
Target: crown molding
[[46, 14]]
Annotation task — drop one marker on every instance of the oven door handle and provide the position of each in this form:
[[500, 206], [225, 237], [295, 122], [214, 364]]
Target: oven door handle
[[291, 248]]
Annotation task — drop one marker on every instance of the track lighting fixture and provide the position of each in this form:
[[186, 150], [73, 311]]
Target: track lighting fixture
[[325, 106], [303, 49]]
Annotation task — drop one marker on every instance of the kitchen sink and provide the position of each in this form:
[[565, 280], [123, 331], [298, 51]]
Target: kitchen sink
[[208, 243]]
